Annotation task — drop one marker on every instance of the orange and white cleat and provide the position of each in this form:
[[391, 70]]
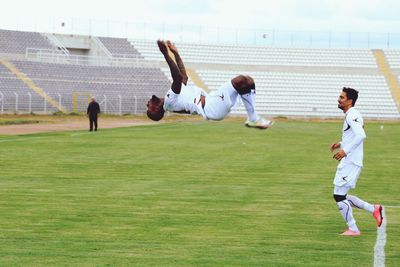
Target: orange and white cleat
[[378, 214], [349, 232]]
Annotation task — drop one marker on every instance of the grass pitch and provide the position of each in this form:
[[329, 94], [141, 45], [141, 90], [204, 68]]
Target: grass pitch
[[191, 194]]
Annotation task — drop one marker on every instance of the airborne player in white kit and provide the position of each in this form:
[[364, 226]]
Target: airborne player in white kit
[[350, 156], [193, 100]]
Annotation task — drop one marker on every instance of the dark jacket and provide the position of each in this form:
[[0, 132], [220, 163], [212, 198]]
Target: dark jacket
[[93, 109]]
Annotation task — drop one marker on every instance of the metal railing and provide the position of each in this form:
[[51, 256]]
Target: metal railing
[[214, 34], [20, 103], [53, 39], [102, 47], [2, 102], [54, 56]]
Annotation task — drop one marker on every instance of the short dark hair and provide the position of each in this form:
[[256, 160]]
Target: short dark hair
[[351, 94], [156, 115]]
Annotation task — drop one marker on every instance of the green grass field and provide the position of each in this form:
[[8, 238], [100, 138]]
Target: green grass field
[[191, 194]]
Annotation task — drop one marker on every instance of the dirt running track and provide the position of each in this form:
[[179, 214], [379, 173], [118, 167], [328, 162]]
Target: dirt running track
[[68, 125]]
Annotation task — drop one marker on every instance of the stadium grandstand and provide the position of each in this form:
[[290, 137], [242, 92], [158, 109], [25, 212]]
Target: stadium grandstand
[[44, 72]]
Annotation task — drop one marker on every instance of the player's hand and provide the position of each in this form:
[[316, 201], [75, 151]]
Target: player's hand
[[339, 155], [162, 46], [335, 146], [172, 47]]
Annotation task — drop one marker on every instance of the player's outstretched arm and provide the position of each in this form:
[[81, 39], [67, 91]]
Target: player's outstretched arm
[[179, 61], [175, 72]]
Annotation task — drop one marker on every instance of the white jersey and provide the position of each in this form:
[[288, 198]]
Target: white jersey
[[218, 104], [352, 138], [188, 101]]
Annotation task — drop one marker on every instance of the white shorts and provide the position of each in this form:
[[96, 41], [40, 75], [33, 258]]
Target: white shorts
[[347, 175], [341, 190], [219, 103]]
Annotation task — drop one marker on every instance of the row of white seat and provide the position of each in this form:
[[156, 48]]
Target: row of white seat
[[393, 57], [263, 55], [287, 93]]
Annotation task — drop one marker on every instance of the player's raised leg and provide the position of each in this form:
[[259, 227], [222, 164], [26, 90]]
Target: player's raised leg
[[375, 210], [246, 88]]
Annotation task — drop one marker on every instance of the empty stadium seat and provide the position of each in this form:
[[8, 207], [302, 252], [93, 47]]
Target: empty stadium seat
[[16, 42]]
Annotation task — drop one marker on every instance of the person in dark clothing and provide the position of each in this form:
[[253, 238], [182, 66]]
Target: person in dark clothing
[[92, 112]]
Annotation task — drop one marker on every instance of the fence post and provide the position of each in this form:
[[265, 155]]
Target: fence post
[[45, 105], [120, 104], [59, 101], [30, 103], [330, 39], [388, 40], [135, 110], [2, 102], [349, 45], [105, 104], [16, 102]]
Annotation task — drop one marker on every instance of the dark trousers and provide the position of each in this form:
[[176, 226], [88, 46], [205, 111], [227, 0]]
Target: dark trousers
[[93, 120]]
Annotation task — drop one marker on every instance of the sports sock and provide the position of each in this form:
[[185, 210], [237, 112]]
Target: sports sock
[[347, 214], [249, 104], [359, 203]]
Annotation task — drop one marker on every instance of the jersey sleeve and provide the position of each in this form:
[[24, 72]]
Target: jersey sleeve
[[356, 124], [170, 100]]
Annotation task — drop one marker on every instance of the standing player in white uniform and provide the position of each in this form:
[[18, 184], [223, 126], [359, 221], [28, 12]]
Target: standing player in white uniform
[[350, 154], [193, 100]]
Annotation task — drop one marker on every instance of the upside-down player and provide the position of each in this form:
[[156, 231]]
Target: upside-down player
[[193, 100]]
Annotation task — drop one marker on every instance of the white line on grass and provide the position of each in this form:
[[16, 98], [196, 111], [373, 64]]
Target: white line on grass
[[36, 137], [20, 139], [379, 249], [77, 134]]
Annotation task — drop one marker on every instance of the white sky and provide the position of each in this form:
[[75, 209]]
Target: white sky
[[311, 15]]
